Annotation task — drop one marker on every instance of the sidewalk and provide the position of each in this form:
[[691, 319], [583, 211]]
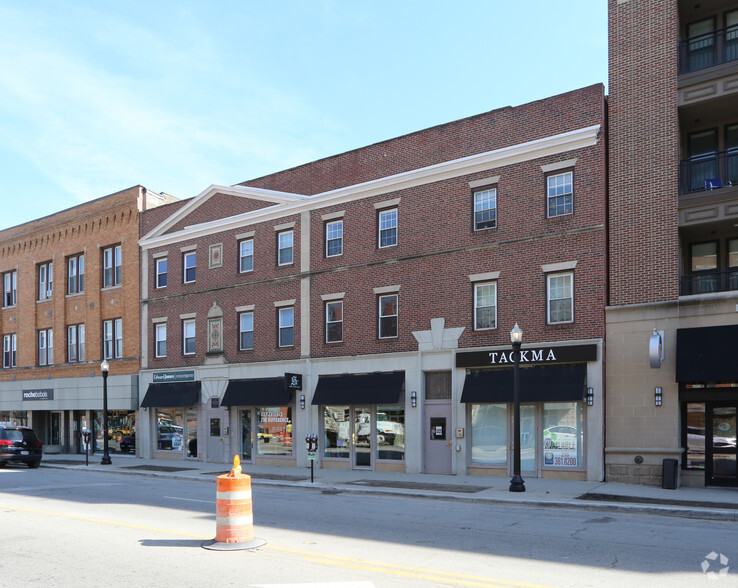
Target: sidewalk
[[704, 503]]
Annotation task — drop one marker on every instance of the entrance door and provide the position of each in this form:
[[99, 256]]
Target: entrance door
[[364, 435], [190, 447], [438, 442], [721, 445], [216, 446], [247, 441]]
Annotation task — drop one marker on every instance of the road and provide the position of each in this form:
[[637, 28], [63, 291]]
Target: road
[[65, 527]]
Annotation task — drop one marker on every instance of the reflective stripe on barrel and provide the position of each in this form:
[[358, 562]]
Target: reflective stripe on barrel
[[234, 518]]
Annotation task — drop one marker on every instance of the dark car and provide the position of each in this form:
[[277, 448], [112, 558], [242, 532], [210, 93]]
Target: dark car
[[128, 444], [20, 445]]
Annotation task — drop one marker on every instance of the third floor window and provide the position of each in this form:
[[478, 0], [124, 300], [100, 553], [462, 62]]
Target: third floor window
[[75, 274], [112, 266], [10, 287], [45, 280]]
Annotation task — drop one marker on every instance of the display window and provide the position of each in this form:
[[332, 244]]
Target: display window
[[274, 431]]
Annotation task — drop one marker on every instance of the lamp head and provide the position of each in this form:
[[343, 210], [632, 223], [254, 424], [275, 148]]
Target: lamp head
[[516, 335], [104, 366]]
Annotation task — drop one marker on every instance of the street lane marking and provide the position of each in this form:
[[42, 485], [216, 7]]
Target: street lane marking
[[190, 499]]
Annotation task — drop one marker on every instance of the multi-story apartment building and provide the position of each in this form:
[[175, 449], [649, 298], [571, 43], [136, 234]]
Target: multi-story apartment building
[[672, 320], [71, 298], [368, 298]]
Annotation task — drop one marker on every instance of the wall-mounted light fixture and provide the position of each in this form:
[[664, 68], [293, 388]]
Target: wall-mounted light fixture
[[658, 396], [302, 401], [414, 398], [589, 397]]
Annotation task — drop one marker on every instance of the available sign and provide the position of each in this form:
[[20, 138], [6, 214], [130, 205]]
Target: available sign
[[560, 446], [186, 376], [43, 394]]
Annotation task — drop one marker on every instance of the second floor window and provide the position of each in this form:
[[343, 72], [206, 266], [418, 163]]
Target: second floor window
[[45, 347], [246, 331], [388, 316], [9, 345], [485, 306], [485, 209], [112, 266], [246, 256], [75, 274], [45, 280], [113, 339], [188, 337], [161, 272], [161, 339], [286, 327], [189, 264], [388, 227], [560, 194], [285, 246], [10, 287], [560, 298], [334, 238], [334, 322], [75, 343]]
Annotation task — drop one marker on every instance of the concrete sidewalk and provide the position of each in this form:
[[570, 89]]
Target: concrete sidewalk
[[706, 503]]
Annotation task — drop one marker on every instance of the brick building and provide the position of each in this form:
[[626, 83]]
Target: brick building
[[70, 297], [672, 326], [368, 298]]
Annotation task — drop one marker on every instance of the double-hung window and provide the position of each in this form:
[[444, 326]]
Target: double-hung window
[[334, 238], [10, 288], [485, 209], [285, 247], [388, 316], [246, 331], [560, 296], [113, 339], [45, 280], [485, 306], [286, 327], [112, 266], [560, 194], [189, 264], [160, 335], [45, 347], [161, 272], [334, 322], [188, 336], [246, 255], [9, 345], [75, 274], [387, 222], [75, 343]]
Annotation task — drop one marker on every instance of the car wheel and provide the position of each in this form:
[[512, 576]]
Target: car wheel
[[34, 464]]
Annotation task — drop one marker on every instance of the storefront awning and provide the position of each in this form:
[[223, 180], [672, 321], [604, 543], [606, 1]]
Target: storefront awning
[[707, 354], [378, 388], [178, 394], [554, 383], [257, 392]]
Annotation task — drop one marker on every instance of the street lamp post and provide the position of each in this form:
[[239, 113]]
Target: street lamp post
[[104, 367], [516, 337]]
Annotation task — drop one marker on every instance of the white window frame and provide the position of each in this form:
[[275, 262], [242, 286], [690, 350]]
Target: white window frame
[[482, 207], [112, 266], [161, 274], [555, 193], [244, 255], [160, 340], [477, 306], [9, 350], [245, 320], [10, 289], [45, 347], [284, 249], [188, 336], [45, 280], [329, 322], [384, 318], [113, 338], [286, 325], [387, 221], [552, 289], [76, 343], [334, 236], [189, 264], [76, 274]]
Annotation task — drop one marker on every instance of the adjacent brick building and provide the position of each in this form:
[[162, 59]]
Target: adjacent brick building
[[368, 298], [71, 296]]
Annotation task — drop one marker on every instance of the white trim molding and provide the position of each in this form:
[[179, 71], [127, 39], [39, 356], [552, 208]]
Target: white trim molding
[[558, 267], [484, 182], [484, 277], [557, 166], [387, 289], [282, 303], [329, 297]]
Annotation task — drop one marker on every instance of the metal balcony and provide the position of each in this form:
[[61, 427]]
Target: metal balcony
[[709, 49], [708, 282], [708, 172]]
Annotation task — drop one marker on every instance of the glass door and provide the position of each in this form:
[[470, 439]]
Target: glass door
[[721, 446], [247, 440], [191, 443], [363, 437]]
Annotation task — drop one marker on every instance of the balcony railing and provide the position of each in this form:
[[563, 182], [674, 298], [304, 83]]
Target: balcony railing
[[708, 282], [709, 172], [703, 51]]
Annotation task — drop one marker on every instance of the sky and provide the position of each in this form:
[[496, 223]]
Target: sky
[[97, 96]]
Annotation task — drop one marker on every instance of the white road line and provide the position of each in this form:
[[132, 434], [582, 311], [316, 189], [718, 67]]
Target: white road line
[[189, 499], [320, 585]]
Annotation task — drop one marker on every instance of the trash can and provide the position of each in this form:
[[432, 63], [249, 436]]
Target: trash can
[[669, 474]]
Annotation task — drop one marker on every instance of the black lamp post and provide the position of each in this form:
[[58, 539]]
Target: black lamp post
[[104, 367], [516, 337]]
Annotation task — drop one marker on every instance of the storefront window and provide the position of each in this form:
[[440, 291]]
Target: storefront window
[[121, 431], [489, 433], [391, 432], [15, 418], [274, 435], [169, 429], [696, 435], [336, 431], [563, 435]]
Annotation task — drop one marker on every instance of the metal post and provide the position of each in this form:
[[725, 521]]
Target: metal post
[[106, 455], [516, 484]]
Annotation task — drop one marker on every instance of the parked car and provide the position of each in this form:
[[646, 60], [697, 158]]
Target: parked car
[[128, 444], [20, 445]]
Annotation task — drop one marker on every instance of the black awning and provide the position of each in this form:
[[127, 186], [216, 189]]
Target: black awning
[[178, 394], [707, 354], [379, 388], [551, 383], [257, 392]]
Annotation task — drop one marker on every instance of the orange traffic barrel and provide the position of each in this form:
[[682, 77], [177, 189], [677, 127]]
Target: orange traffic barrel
[[234, 513]]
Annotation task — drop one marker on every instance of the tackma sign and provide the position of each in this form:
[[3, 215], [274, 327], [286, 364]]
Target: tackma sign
[[545, 355]]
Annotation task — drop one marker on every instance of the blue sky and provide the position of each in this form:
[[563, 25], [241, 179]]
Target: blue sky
[[97, 96]]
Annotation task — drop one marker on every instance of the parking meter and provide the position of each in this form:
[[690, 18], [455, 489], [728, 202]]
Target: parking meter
[[311, 443], [86, 437]]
